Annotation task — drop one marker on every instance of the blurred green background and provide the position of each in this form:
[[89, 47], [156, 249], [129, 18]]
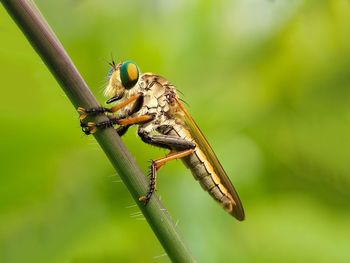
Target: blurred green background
[[268, 82]]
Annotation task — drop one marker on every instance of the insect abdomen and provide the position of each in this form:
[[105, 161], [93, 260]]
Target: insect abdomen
[[210, 182], [204, 172]]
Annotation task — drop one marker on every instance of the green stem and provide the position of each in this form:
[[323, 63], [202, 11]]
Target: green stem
[[46, 44]]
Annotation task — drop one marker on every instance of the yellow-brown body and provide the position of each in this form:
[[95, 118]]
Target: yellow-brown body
[[151, 102]]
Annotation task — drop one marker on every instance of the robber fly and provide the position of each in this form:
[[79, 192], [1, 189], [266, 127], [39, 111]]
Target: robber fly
[[151, 102]]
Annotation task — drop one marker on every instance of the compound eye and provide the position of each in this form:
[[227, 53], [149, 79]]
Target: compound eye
[[129, 74]]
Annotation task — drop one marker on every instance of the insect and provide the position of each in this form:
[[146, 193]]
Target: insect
[[151, 102]]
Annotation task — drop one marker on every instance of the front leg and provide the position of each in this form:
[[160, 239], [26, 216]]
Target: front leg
[[91, 127], [121, 130], [98, 110], [91, 111]]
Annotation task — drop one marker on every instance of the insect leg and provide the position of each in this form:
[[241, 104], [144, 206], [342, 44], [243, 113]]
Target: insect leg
[[125, 103], [121, 130], [94, 111], [136, 120], [179, 148], [155, 166], [91, 127], [166, 141]]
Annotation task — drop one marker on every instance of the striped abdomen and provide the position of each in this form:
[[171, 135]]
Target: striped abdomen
[[204, 172]]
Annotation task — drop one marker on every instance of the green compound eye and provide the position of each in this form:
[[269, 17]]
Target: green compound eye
[[129, 74]]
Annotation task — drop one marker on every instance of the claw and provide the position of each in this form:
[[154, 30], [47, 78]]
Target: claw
[[82, 112], [144, 199], [92, 127], [88, 128]]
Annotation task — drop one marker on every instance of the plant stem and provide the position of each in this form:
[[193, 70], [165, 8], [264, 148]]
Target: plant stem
[[46, 44]]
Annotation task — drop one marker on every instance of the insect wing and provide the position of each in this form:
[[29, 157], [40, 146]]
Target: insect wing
[[237, 211]]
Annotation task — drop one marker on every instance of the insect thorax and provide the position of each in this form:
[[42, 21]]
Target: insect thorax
[[158, 99]]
